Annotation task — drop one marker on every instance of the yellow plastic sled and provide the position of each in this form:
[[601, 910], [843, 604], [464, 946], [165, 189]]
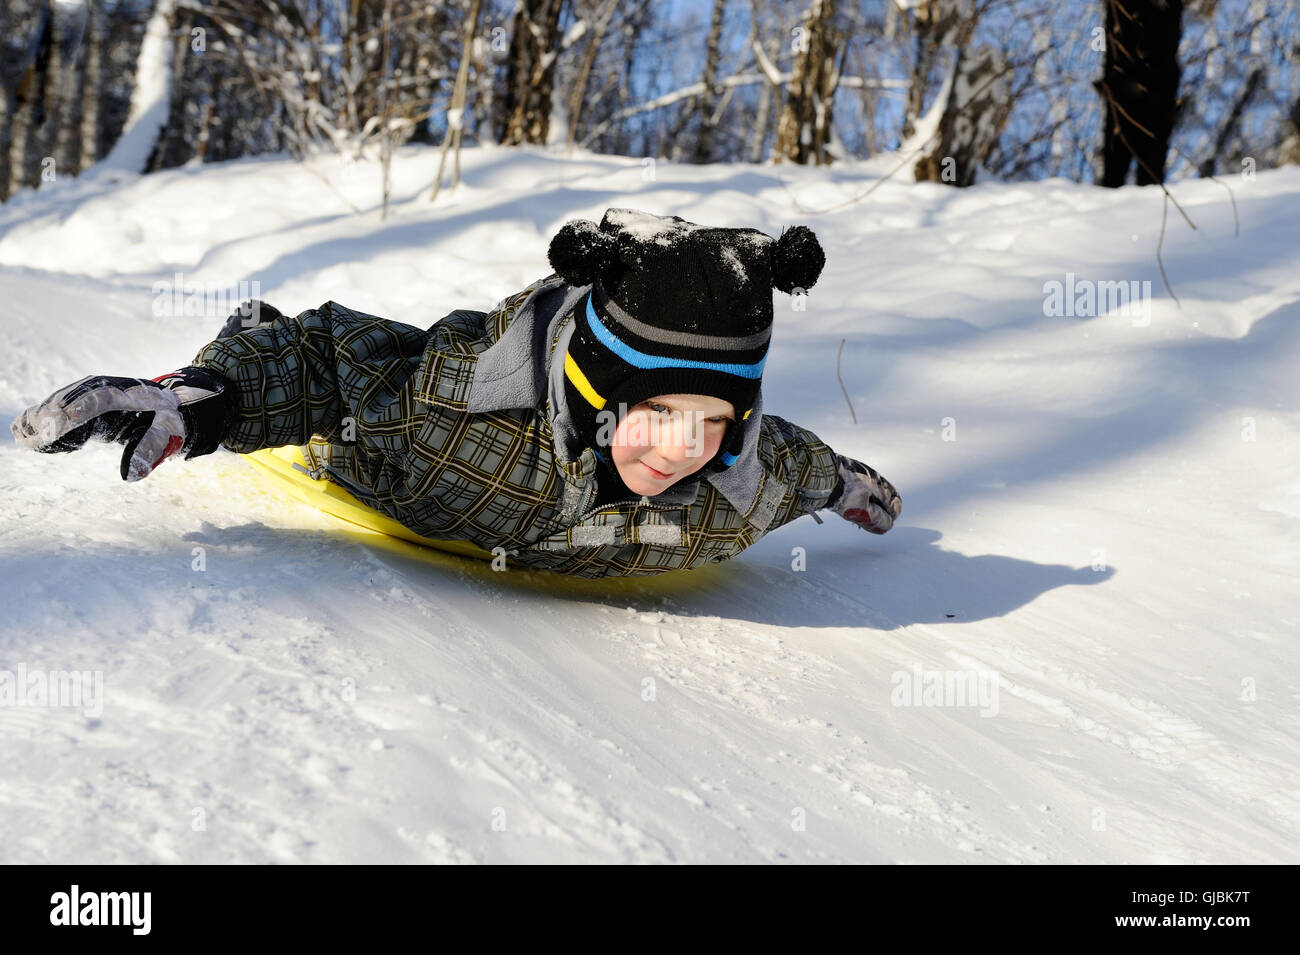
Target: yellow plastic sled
[[286, 468]]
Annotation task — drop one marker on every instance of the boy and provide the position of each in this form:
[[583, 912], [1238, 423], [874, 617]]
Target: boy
[[604, 421]]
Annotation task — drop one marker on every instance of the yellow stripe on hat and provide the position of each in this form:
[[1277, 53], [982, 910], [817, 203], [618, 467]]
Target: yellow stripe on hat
[[575, 375]]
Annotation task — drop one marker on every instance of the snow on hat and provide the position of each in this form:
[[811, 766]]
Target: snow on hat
[[674, 308]]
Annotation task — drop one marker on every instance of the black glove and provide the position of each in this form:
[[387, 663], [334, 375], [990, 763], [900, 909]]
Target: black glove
[[188, 410], [864, 497]]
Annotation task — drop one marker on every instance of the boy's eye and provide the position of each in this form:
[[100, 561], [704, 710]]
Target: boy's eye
[[661, 408]]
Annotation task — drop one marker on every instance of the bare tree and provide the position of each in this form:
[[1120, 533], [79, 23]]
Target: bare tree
[[804, 130], [935, 26], [45, 96], [769, 93], [23, 29], [1139, 88], [587, 62], [456, 113], [530, 72], [92, 88], [1002, 85], [1288, 150], [1231, 123], [706, 103], [60, 131], [972, 106], [151, 97]]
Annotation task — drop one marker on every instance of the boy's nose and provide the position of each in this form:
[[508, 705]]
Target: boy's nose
[[677, 453]]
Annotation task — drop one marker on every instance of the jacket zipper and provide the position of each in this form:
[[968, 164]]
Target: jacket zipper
[[639, 501]]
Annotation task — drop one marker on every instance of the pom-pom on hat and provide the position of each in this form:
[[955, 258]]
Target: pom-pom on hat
[[674, 308]]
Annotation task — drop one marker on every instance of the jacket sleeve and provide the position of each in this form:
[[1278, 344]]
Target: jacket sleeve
[[304, 375], [802, 462]]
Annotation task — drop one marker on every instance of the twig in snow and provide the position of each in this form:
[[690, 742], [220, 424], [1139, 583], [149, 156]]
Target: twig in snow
[[841, 380]]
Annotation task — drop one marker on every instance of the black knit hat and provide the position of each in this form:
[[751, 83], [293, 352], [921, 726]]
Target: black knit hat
[[674, 308]]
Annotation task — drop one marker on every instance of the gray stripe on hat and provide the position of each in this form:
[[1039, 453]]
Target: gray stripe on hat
[[687, 339]]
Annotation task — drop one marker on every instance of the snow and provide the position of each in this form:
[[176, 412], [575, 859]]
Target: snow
[[637, 226], [1099, 528]]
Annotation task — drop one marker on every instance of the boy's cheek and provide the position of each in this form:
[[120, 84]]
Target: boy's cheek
[[632, 432]]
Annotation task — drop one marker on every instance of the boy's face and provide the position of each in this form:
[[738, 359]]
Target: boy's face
[[665, 438]]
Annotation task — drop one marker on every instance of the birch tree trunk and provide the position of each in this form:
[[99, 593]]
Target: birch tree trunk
[[456, 112], [63, 125], [934, 25], [708, 99], [530, 71], [973, 115], [28, 106], [803, 131], [152, 95], [92, 86], [578, 97]]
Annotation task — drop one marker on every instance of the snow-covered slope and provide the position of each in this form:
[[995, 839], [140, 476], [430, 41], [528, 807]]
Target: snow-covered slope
[[1100, 512]]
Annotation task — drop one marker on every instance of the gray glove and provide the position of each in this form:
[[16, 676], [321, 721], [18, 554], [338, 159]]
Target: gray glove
[[864, 497], [187, 410]]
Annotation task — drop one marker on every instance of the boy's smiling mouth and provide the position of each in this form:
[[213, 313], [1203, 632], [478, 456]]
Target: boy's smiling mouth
[[658, 474]]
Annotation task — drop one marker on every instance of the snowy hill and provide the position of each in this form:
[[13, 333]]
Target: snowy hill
[[1099, 512]]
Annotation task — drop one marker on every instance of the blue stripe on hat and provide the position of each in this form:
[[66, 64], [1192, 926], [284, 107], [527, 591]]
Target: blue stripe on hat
[[640, 359]]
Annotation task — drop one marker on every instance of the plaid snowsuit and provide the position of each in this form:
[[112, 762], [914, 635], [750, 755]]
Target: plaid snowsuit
[[462, 432]]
